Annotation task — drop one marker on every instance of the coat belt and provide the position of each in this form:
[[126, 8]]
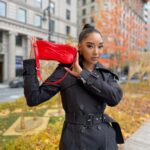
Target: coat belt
[[86, 119], [90, 119]]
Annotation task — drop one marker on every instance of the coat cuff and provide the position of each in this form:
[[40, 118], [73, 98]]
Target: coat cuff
[[29, 67], [88, 77]]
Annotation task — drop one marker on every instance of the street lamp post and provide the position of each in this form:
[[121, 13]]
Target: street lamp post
[[48, 9]]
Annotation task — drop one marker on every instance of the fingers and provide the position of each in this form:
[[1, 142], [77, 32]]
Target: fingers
[[77, 59], [33, 39], [68, 70]]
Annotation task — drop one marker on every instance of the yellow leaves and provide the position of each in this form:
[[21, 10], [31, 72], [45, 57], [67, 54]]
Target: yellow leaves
[[134, 109], [46, 140]]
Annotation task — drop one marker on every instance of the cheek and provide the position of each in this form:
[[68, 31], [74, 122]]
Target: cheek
[[87, 53], [101, 51]]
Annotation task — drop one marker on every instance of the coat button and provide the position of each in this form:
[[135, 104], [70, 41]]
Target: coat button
[[83, 130], [81, 107], [99, 127]]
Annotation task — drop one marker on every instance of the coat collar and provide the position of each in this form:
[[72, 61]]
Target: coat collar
[[99, 66]]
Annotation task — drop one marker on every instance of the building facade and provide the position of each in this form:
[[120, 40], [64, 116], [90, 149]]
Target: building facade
[[147, 28], [20, 20], [133, 24], [85, 10], [130, 10]]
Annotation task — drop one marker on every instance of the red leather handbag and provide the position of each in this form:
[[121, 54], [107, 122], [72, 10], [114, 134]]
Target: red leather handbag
[[62, 53]]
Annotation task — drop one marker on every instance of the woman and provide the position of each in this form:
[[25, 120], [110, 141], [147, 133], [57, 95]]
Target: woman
[[85, 92]]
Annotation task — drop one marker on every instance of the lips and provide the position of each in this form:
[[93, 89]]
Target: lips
[[94, 58]]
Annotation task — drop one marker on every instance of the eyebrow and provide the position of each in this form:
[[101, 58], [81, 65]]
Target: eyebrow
[[93, 43]]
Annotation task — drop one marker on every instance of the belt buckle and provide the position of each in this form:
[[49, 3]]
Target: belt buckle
[[89, 120]]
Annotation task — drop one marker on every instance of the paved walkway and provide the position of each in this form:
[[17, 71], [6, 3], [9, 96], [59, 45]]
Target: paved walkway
[[2, 85], [140, 140]]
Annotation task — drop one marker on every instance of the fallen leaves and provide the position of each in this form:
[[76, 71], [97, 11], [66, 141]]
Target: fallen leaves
[[132, 111]]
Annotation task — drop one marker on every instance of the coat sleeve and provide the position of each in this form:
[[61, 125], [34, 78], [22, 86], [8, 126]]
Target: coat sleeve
[[35, 93], [109, 91]]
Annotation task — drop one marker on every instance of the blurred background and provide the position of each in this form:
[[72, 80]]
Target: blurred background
[[125, 26]]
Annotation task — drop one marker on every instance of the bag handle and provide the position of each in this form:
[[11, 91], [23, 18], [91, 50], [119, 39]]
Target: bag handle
[[35, 47], [37, 60]]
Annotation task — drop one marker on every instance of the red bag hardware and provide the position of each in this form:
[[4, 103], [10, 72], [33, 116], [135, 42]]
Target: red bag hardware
[[62, 53]]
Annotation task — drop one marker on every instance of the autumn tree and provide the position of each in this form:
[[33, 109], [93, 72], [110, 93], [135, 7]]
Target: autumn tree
[[109, 24]]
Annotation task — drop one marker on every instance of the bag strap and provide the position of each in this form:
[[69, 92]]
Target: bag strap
[[59, 80], [37, 60]]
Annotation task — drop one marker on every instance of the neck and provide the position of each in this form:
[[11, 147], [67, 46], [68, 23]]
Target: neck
[[88, 66]]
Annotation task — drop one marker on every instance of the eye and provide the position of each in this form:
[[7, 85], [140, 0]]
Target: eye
[[89, 46], [100, 47]]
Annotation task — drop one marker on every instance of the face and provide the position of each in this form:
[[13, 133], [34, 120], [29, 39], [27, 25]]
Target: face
[[91, 48]]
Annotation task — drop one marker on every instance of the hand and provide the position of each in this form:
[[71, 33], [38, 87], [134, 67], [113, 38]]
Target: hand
[[32, 55], [76, 70]]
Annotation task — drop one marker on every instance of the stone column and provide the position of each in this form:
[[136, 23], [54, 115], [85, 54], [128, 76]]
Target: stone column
[[11, 56], [28, 47]]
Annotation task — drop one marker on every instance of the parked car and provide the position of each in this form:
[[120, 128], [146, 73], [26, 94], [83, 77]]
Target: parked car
[[145, 76], [16, 83], [123, 79]]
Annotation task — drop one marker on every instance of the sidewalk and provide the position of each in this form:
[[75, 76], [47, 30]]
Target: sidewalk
[[3, 85], [140, 140]]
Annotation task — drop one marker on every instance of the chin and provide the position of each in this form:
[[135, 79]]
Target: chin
[[94, 62]]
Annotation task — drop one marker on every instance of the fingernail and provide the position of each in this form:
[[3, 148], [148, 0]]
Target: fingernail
[[65, 68]]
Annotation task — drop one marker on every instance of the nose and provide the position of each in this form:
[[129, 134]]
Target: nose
[[96, 51]]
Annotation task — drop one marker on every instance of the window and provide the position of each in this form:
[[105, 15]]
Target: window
[[37, 21], [67, 30], [19, 65], [52, 26], [83, 2], [1, 36], [22, 15], [84, 11], [2, 9], [52, 8], [68, 2], [38, 3], [83, 21], [19, 40], [68, 13], [92, 20], [92, 8]]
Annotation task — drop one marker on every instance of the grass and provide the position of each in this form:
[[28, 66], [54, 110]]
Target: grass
[[6, 122], [132, 111]]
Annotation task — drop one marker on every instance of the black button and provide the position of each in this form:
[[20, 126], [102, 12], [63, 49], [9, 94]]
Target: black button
[[81, 106], [83, 130], [99, 127]]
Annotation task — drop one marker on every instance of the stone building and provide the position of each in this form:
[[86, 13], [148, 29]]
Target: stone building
[[131, 9], [20, 20], [147, 27]]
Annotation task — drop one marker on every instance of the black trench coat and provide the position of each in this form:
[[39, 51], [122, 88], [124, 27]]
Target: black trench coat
[[81, 97]]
